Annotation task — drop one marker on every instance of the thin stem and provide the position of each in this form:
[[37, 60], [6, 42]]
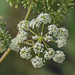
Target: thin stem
[[32, 32], [45, 45], [42, 28], [45, 34], [28, 43], [38, 31], [8, 50], [31, 48], [29, 40], [39, 53], [28, 13], [29, 35], [5, 54]]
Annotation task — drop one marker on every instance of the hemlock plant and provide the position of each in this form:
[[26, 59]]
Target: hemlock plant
[[33, 39], [56, 8]]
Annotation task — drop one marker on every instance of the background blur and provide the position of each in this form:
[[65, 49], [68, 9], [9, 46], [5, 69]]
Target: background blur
[[15, 65]]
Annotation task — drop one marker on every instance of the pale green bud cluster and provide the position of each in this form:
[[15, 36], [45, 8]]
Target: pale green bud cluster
[[34, 45], [5, 37], [56, 8]]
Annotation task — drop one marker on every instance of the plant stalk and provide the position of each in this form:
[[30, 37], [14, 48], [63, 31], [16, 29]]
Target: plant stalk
[[5, 54]]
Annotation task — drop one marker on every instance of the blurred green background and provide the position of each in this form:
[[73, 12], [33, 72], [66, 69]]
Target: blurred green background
[[14, 65]]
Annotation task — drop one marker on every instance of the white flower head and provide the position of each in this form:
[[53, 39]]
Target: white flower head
[[32, 34], [49, 54], [25, 53], [23, 25], [59, 56], [52, 29], [38, 47], [62, 32], [14, 45], [37, 62], [48, 38], [61, 42], [44, 18], [22, 36], [33, 23]]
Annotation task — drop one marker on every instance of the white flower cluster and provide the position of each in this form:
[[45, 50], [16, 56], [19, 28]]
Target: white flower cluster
[[37, 62], [52, 29], [62, 37], [33, 23], [61, 34], [22, 36], [19, 39], [14, 45], [49, 54], [61, 42], [48, 38], [59, 56], [43, 18], [23, 25], [25, 53], [37, 42], [38, 47]]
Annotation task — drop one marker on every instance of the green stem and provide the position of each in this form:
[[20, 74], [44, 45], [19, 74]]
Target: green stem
[[45, 44], [29, 40], [39, 53], [29, 35], [42, 28], [31, 48], [28, 13], [45, 34], [8, 50], [28, 43], [38, 31], [32, 32]]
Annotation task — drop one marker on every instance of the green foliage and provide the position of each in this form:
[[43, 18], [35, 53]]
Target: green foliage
[[4, 36], [57, 8]]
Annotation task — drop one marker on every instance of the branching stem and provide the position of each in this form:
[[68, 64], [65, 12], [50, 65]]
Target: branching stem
[[38, 31], [8, 50]]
